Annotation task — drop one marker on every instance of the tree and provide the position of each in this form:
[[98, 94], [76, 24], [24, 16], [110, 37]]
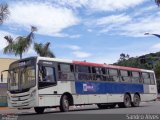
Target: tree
[[4, 12], [123, 57], [43, 50], [20, 44], [23, 43], [157, 2], [9, 48]]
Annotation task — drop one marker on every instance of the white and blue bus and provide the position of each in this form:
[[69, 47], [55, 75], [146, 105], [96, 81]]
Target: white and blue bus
[[41, 82]]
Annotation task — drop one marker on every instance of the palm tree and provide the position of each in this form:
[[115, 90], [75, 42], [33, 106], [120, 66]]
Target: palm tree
[[157, 2], [20, 44], [43, 50], [30, 37], [4, 12], [9, 48], [23, 43]]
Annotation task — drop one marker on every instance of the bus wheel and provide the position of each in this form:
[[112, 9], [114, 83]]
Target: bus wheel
[[64, 104], [39, 110], [102, 106], [126, 102], [136, 100]]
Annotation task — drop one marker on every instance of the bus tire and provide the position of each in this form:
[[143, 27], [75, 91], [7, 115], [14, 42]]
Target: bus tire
[[39, 110], [136, 100], [126, 101], [64, 104]]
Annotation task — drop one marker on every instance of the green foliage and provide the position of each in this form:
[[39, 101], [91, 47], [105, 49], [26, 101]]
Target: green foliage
[[4, 12], [43, 50], [157, 70], [20, 44], [150, 61]]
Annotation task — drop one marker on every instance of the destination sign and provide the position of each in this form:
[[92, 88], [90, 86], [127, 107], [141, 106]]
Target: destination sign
[[23, 63]]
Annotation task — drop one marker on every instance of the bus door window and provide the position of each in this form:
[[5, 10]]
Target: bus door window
[[152, 79], [136, 77], [146, 78], [66, 72], [113, 75], [125, 76]]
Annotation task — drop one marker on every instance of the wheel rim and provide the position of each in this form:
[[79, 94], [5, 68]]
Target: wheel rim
[[127, 101], [66, 104], [136, 100]]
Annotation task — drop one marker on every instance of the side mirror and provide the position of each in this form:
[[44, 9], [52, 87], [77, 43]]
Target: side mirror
[[2, 74], [1, 77]]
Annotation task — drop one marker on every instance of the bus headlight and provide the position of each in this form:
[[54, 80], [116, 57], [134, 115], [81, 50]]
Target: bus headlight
[[33, 93]]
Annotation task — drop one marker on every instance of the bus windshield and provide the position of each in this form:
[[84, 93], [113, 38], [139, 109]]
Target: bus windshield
[[21, 78], [22, 75]]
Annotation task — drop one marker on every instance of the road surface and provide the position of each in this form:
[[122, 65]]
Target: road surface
[[78, 113]]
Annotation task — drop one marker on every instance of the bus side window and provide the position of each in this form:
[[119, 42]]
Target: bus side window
[[125, 76], [104, 73], [146, 78], [141, 80], [136, 77], [66, 71], [83, 72], [113, 75], [152, 79], [97, 73]]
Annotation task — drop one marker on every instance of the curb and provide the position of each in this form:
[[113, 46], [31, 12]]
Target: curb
[[4, 108]]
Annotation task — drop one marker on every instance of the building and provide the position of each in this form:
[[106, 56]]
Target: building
[[4, 65]]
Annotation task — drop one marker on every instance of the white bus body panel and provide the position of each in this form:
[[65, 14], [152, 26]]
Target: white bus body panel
[[51, 96], [150, 89], [80, 99], [115, 98], [96, 98], [23, 100], [148, 97]]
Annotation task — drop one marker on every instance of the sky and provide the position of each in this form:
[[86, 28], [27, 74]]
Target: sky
[[92, 30]]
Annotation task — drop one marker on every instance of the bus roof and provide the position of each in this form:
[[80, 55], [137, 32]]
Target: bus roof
[[88, 64], [94, 64], [110, 66]]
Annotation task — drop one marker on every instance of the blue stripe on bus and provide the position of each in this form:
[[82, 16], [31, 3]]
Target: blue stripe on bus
[[103, 88]]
